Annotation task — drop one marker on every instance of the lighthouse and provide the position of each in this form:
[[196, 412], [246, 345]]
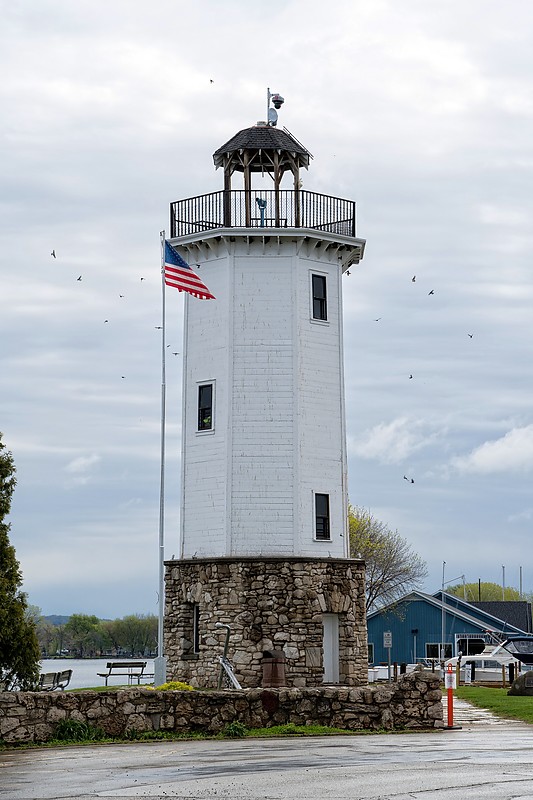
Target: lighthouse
[[263, 543]]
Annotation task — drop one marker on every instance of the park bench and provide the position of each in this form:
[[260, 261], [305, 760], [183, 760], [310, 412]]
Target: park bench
[[49, 681], [132, 670]]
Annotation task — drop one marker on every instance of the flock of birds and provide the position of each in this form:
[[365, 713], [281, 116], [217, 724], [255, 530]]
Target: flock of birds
[[176, 353], [410, 377], [121, 296]]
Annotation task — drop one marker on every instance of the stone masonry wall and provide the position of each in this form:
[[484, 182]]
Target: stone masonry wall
[[413, 702], [270, 604]]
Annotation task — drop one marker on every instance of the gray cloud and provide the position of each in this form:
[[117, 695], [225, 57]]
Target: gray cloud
[[422, 114]]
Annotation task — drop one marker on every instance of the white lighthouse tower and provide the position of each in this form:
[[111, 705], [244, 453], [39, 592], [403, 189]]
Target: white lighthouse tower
[[263, 540]]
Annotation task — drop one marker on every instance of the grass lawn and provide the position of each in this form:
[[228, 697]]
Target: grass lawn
[[498, 702]]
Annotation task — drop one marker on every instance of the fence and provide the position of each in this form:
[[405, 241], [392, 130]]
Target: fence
[[262, 209]]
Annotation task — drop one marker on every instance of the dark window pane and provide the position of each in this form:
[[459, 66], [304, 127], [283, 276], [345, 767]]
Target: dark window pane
[[320, 304], [433, 650], [322, 516], [205, 407], [196, 628]]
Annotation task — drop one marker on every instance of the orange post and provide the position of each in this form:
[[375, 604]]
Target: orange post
[[450, 696]]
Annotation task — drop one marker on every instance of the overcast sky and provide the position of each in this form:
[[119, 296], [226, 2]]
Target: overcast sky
[[421, 111]]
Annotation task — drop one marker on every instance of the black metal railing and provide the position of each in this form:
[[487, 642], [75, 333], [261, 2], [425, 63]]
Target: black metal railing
[[286, 208]]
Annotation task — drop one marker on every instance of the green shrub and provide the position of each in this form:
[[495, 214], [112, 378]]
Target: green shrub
[[235, 730], [73, 730]]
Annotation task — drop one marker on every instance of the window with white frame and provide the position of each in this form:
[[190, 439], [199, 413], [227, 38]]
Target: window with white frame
[[322, 521], [433, 650], [319, 297], [205, 407]]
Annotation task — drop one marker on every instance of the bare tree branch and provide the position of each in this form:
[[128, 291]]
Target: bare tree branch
[[392, 569]]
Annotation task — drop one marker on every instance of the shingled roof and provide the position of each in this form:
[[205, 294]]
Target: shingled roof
[[515, 612], [266, 139]]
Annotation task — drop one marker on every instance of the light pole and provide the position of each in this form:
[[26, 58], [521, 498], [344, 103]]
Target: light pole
[[443, 612]]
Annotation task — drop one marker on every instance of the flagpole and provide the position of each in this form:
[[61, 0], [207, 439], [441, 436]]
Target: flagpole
[[160, 663]]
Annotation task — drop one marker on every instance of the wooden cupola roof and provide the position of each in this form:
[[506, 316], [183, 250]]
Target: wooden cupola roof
[[261, 143], [262, 148]]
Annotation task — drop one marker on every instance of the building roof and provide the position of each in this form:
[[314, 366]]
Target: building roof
[[515, 612], [456, 607], [261, 138]]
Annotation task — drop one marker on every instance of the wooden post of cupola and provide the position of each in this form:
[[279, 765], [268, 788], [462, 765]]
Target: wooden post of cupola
[[247, 189], [296, 174], [277, 179], [227, 193]]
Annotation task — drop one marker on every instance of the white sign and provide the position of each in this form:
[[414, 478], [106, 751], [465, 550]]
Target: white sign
[[387, 639], [450, 680]]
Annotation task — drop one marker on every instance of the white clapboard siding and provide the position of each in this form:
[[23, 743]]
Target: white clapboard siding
[[247, 486]]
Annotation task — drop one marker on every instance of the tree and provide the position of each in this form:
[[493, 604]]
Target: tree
[[47, 637], [19, 649], [82, 631], [484, 591], [137, 633], [392, 569]]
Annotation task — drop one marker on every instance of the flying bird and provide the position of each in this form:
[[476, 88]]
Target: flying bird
[[378, 319], [409, 480], [470, 334], [158, 327], [410, 376], [106, 320], [78, 278], [211, 80], [413, 279], [347, 271], [142, 279], [121, 295], [175, 354], [431, 292], [53, 254]]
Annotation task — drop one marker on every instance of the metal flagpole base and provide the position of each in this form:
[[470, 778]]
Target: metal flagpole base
[[160, 671]]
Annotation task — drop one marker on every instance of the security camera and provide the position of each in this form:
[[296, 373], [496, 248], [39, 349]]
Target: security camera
[[277, 100]]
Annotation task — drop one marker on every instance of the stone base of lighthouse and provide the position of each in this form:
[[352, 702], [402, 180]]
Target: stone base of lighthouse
[[313, 609]]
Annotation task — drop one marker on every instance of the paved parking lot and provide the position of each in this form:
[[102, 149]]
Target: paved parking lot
[[485, 759]]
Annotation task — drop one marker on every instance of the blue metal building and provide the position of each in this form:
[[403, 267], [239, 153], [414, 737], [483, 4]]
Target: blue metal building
[[420, 623]]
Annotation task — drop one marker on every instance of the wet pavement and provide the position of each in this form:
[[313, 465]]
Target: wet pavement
[[487, 758]]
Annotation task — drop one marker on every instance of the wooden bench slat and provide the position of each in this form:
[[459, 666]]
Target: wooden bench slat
[[134, 669]]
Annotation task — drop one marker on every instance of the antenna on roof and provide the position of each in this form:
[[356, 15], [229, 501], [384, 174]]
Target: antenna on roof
[[272, 114]]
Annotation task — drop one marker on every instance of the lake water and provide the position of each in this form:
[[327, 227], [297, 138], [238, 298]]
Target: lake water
[[85, 670]]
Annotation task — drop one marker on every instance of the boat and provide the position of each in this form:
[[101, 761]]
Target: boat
[[487, 665], [520, 646]]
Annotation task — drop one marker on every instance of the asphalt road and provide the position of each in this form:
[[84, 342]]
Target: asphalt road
[[478, 762]]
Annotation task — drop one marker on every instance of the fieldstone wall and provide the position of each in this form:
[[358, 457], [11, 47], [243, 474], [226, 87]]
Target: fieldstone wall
[[270, 604], [413, 702]]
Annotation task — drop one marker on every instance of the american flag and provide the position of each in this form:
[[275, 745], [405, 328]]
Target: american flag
[[182, 277]]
